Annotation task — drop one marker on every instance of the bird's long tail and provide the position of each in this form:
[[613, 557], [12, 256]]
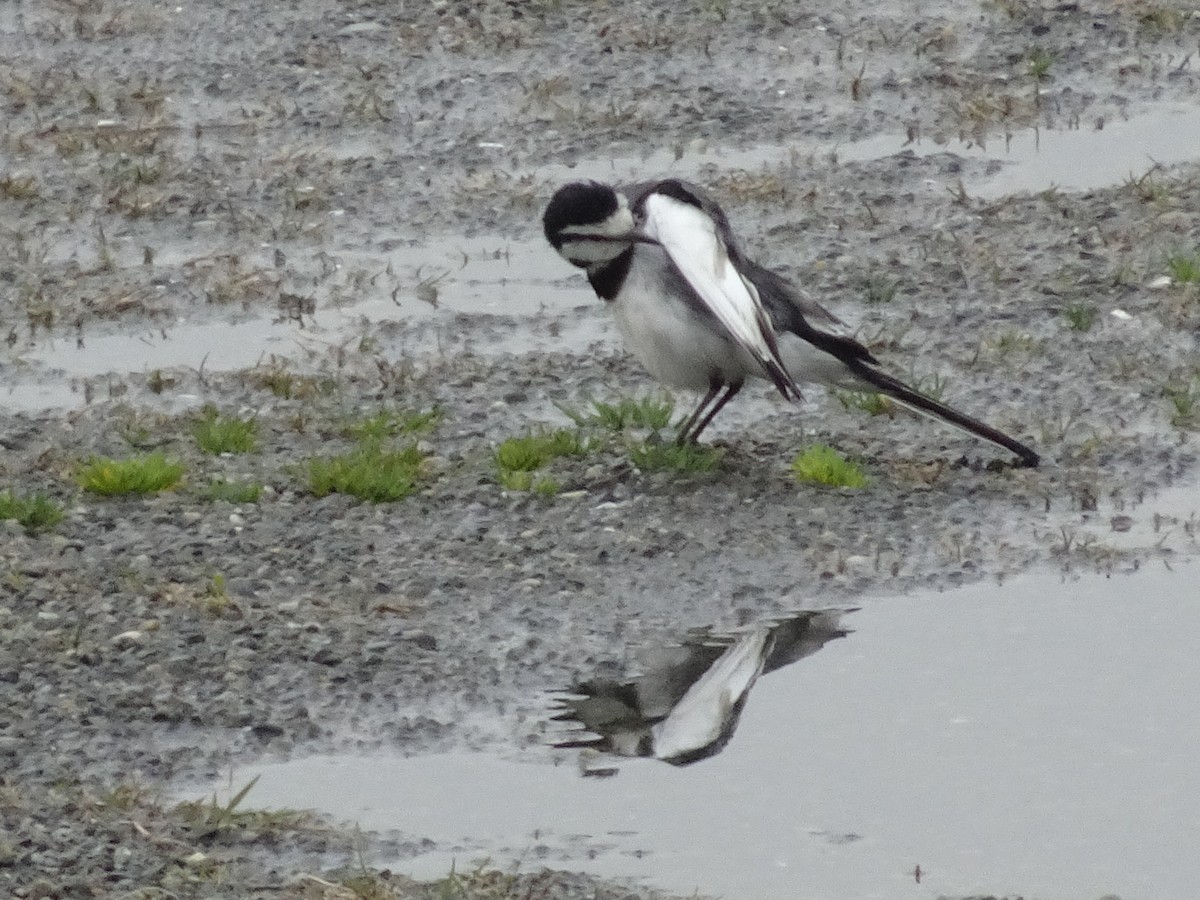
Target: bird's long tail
[[916, 401]]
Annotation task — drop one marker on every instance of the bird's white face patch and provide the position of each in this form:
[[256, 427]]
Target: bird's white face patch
[[601, 242]]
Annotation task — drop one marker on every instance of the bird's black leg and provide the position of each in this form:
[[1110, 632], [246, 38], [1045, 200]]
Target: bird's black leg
[[731, 391], [685, 431]]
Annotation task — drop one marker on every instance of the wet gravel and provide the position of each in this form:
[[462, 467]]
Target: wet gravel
[[223, 161]]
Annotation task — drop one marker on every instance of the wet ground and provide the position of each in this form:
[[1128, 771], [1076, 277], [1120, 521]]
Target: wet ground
[[1063, 769], [316, 213]]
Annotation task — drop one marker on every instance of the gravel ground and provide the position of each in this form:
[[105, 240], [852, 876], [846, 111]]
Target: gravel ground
[[229, 162]]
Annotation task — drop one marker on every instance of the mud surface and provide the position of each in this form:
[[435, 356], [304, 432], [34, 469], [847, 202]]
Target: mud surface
[[167, 167]]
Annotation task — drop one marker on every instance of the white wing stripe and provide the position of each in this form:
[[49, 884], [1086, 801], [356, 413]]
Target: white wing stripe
[[690, 238]]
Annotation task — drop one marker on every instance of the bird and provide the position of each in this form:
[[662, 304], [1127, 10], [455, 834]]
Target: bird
[[686, 704], [701, 315]]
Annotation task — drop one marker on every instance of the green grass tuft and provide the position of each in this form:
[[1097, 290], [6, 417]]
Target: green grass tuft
[[1159, 20], [871, 403], [518, 458], [545, 486], [652, 412], [1185, 403], [280, 383], [389, 423], [516, 480], [35, 514], [1080, 316], [1010, 341], [217, 434], [824, 465], [19, 187], [216, 597], [207, 818], [234, 492], [1184, 266], [147, 474], [531, 452], [658, 457], [880, 289], [1038, 63], [369, 472]]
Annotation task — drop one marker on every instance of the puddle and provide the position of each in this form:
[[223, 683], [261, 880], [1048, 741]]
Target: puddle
[[1030, 160], [511, 290], [686, 703], [521, 283], [1036, 739], [1073, 160]]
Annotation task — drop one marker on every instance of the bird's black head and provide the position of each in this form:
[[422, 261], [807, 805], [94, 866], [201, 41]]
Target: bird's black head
[[590, 224], [580, 203]]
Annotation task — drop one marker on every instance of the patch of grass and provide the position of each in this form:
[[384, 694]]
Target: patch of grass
[[871, 403], [19, 187], [690, 458], [930, 385], [652, 412], [519, 458], [389, 423], [718, 9], [209, 818], [542, 485], [1038, 63], [216, 597], [234, 492], [482, 883], [880, 289], [147, 474], [137, 430], [126, 797], [1080, 316], [158, 382], [980, 107], [531, 452], [289, 386], [279, 382], [824, 465], [217, 434], [1011, 341], [1185, 403], [370, 886], [1159, 20], [740, 186], [1123, 275], [545, 486], [514, 479], [369, 472], [1146, 187], [1184, 266], [35, 514]]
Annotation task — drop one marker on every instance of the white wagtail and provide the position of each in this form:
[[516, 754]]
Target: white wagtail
[[686, 704], [699, 315]]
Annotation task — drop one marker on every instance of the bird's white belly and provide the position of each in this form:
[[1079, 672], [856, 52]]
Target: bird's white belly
[[675, 345]]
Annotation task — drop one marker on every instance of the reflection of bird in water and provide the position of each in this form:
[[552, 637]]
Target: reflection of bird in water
[[687, 705]]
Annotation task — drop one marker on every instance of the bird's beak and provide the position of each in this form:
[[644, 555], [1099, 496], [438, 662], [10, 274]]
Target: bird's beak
[[629, 237]]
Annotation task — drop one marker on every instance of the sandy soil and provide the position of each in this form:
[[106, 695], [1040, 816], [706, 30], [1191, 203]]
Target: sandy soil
[[226, 162]]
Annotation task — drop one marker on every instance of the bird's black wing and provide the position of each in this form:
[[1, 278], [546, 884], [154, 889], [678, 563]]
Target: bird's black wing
[[791, 311]]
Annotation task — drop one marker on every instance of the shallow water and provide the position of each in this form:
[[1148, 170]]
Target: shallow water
[[1034, 738], [1093, 155], [1084, 158], [525, 283], [512, 282]]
